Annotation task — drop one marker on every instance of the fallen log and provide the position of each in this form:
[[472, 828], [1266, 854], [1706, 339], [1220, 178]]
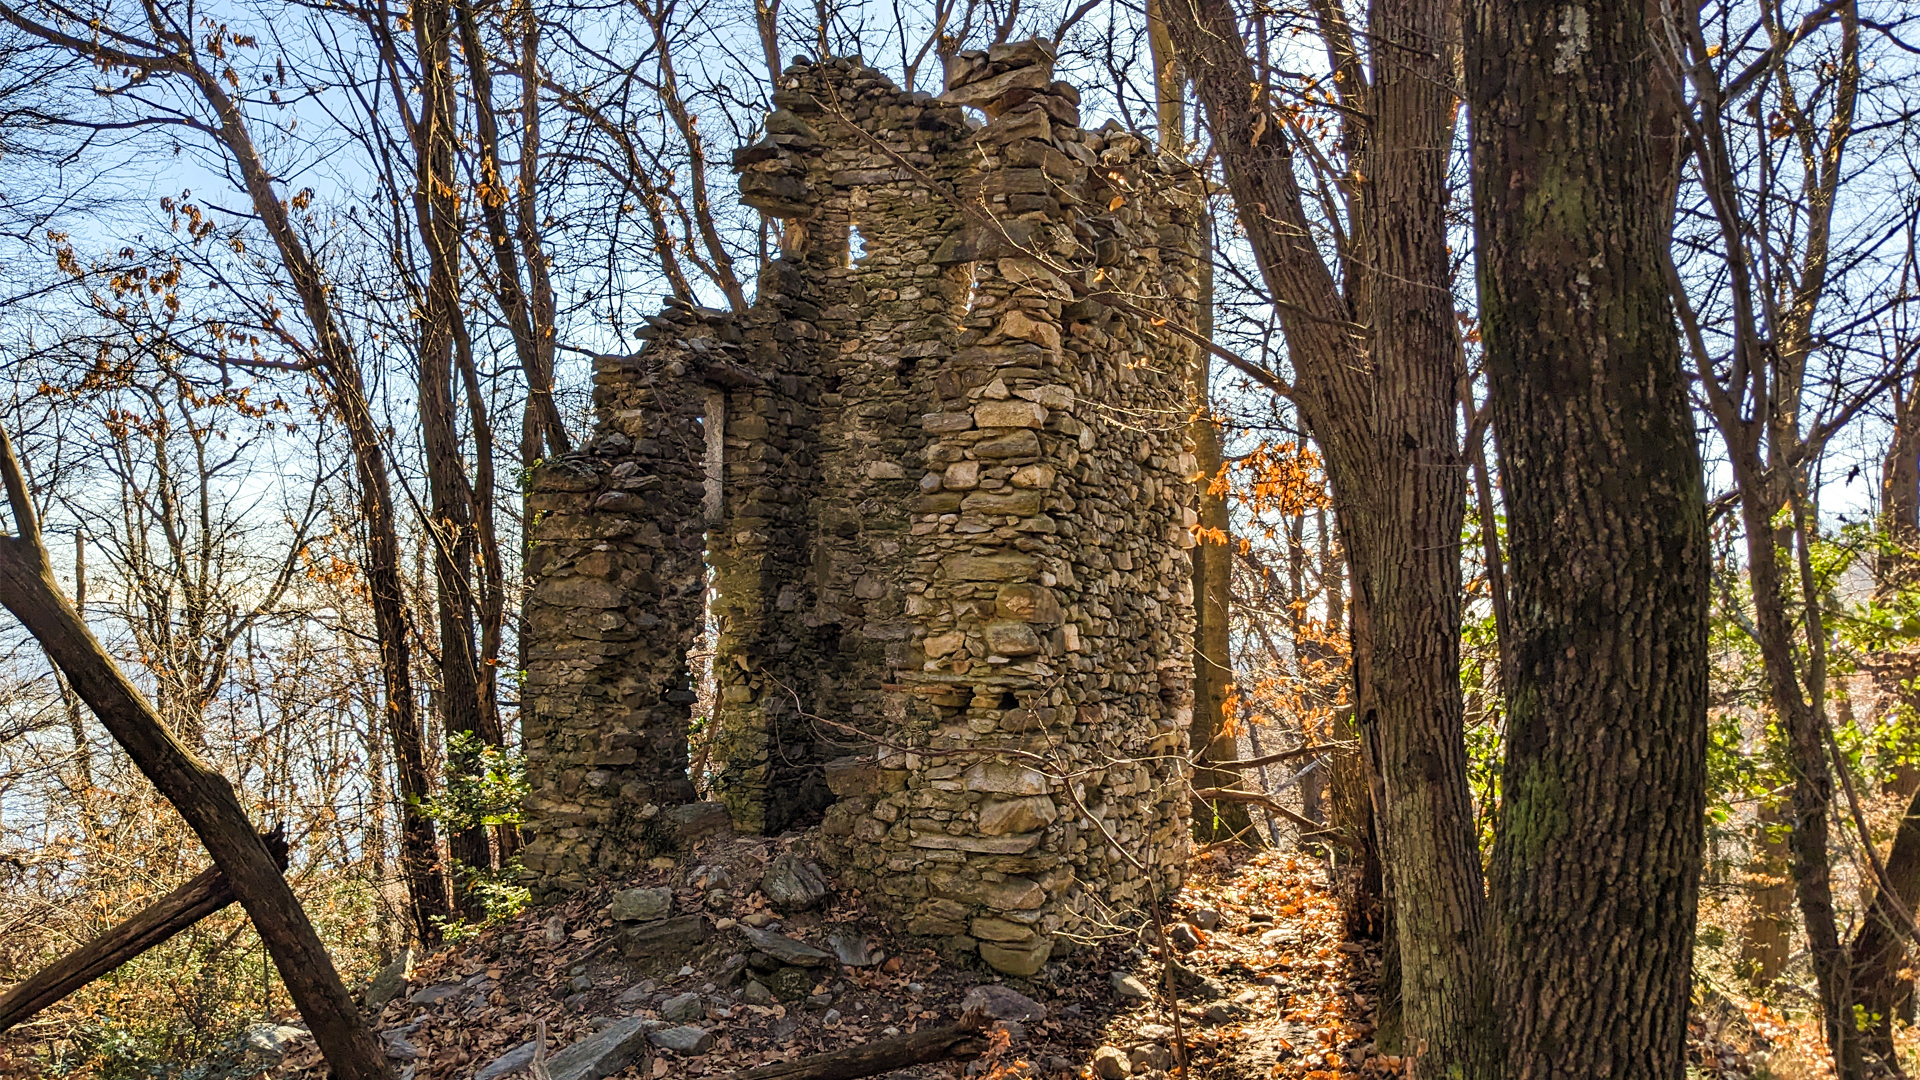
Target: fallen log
[[961, 1040], [202, 895]]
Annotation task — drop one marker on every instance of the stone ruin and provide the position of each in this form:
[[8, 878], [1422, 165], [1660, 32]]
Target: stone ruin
[[937, 481]]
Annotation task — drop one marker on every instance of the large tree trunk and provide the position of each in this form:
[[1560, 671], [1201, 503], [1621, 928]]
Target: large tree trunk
[[1379, 400], [450, 524], [204, 798], [1881, 984], [1596, 869], [1405, 553]]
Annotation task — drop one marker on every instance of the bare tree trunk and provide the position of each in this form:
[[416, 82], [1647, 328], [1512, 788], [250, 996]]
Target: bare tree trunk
[[1596, 868], [1804, 719], [450, 526], [1213, 554], [1380, 401]]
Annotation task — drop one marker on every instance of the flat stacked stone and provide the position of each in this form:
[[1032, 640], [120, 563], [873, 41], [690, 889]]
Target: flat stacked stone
[[950, 543]]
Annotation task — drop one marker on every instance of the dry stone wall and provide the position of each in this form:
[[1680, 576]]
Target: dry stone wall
[[939, 473]]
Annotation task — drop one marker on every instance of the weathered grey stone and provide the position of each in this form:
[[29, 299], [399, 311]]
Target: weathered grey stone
[[1010, 504], [602, 1053], [517, 1060], [989, 568], [1126, 986], [1009, 638], [642, 905], [1017, 444], [785, 949], [1183, 937], [852, 948], [683, 1040], [665, 939], [946, 423], [998, 817], [756, 993], [579, 592], [1038, 52], [433, 995], [990, 90], [269, 1042], [682, 1007], [1004, 931], [862, 776], [1025, 122], [1019, 324], [986, 845], [1012, 894], [1150, 1056], [1003, 1003], [793, 882], [1006, 778], [1028, 603], [398, 1046], [390, 980], [690, 823], [1111, 1063], [1010, 414]]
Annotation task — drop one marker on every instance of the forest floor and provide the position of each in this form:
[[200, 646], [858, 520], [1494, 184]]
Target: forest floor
[[1267, 989]]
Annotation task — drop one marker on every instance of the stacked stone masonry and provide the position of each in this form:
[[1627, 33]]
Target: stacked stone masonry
[[939, 473]]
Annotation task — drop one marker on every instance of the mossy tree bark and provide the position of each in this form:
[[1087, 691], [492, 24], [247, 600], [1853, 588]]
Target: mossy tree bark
[[1596, 867]]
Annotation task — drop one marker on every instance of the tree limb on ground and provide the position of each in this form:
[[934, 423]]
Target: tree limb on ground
[[959, 1040]]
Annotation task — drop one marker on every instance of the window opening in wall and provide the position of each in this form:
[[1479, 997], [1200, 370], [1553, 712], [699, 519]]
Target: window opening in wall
[[714, 424], [856, 244], [702, 768]]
